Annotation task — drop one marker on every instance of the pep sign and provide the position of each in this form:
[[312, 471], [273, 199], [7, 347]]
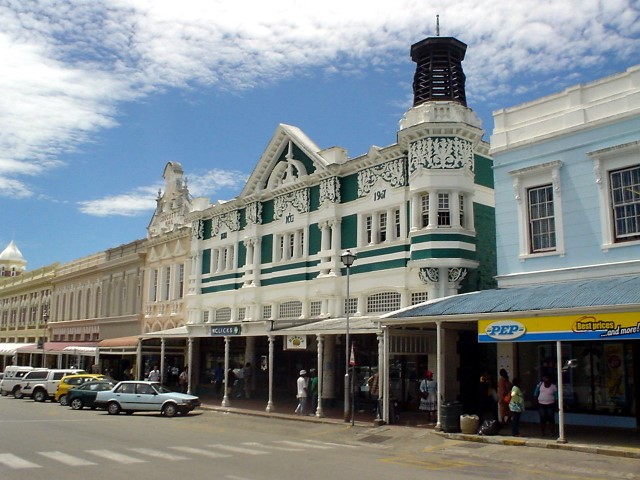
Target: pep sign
[[505, 330]]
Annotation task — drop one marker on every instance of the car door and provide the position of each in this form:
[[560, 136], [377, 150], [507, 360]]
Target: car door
[[126, 396], [146, 397]]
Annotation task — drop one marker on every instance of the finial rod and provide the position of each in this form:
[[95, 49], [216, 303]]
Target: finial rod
[[437, 25]]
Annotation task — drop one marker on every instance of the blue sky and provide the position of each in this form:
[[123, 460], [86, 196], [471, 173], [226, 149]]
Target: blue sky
[[98, 96]]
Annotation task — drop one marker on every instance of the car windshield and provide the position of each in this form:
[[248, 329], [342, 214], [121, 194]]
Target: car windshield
[[161, 388]]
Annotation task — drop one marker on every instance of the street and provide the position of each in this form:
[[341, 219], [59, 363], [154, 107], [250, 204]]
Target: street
[[49, 441]]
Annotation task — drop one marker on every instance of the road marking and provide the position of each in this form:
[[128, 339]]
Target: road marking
[[308, 445], [340, 445], [200, 451], [66, 459], [234, 449], [273, 447], [116, 457], [158, 454], [16, 462]]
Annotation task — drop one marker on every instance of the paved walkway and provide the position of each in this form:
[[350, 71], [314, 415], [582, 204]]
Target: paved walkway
[[599, 440]]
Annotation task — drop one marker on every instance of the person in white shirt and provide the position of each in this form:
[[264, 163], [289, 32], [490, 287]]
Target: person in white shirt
[[154, 375], [546, 399], [301, 395]]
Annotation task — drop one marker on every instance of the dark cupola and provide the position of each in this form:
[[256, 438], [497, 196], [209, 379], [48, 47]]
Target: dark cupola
[[439, 76]]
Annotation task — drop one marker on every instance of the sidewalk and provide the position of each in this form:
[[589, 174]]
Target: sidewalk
[[595, 440]]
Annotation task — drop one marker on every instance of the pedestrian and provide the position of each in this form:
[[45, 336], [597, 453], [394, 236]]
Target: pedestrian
[[429, 396], [154, 375], [374, 390], [247, 374], [183, 380], [504, 390], [546, 396], [313, 391], [238, 389], [218, 379], [487, 397], [231, 381], [516, 406], [301, 392]]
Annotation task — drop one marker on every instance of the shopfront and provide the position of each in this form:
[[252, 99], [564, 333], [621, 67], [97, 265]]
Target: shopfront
[[597, 367]]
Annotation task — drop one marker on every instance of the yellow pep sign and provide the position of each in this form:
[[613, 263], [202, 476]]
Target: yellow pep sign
[[598, 326]]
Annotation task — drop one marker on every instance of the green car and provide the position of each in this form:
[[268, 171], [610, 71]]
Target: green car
[[85, 395]]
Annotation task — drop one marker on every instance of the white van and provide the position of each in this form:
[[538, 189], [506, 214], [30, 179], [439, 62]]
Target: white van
[[41, 384], [11, 377]]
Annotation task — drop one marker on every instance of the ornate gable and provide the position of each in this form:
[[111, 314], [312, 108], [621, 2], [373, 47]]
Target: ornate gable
[[289, 157]]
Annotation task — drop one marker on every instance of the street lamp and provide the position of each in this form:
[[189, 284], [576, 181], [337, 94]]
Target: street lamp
[[347, 259]]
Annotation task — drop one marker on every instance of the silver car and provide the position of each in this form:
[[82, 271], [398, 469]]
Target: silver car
[[138, 396]]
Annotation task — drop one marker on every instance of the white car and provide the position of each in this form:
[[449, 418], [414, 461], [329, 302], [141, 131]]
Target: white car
[[138, 396]]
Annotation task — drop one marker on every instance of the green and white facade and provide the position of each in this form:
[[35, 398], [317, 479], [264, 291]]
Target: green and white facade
[[267, 284]]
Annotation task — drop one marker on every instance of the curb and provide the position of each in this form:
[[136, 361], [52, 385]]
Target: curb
[[626, 452]]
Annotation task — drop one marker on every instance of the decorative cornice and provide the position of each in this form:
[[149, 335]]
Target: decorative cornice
[[230, 219], [440, 153], [254, 213]]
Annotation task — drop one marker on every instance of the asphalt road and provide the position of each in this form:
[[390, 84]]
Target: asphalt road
[[41, 441]]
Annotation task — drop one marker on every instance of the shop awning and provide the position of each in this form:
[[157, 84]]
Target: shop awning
[[60, 348], [333, 326], [118, 346], [620, 293], [12, 348], [178, 332]]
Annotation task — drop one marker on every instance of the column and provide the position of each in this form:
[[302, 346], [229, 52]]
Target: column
[[433, 209], [391, 225], [162, 350], [225, 398], [381, 374], [416, 212], [270, 372], [257, 262], [384, 378], [139, 359], [325, 232], [250, 356], [440, 372], [297, 253], [328, 373], [189, 365], [320, 339], [455, 208]]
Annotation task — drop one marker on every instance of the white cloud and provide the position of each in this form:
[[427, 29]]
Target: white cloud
[[142, 200], [67, 66]]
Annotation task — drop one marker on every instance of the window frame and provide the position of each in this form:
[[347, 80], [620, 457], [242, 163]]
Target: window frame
[[525, 179]]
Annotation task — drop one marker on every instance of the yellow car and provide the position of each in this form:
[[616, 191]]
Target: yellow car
[[71, 381]]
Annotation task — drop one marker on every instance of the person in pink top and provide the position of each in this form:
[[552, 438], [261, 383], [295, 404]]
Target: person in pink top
[[546, 397]]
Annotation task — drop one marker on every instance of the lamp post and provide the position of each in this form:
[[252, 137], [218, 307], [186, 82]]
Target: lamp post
[[347, 259]]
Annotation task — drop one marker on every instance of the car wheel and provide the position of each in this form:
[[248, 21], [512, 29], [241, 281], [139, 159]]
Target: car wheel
[[113, 408], [170, 409], [76, 404], [39, 395], [63, 400], [17, 393]]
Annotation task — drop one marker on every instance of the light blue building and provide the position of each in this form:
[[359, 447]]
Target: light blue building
[[567, 186]]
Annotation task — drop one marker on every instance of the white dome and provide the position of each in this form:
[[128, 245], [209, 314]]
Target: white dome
[[11, 254]]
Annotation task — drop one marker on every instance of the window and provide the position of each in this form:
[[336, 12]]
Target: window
[[316, 308], [625, 203], [618, 176], [290, 245], [444, 214], [541, 219], [461, 201], [180, 285], [424, 210], [383, 302], [382, 229], [369, 229], [291, 309], [539, 207], [154, 285], [167, 283], [418, 297], [223, 314], [266, 311]]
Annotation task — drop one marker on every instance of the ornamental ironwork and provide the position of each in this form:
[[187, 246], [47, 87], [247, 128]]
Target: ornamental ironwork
[[299, 200], [440, 153], [329, 190], [393, 173]]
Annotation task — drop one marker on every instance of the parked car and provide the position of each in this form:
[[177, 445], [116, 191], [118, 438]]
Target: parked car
[[143, 396], [85, 395], [41, 384], [12, 376], [71, 381]]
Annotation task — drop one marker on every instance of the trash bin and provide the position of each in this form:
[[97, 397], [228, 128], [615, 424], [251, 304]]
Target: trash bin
[[450, 417]]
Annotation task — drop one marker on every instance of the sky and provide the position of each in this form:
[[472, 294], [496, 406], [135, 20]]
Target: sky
[[97, 96]]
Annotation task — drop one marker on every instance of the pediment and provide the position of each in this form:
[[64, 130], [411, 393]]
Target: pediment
[[289, 157]]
